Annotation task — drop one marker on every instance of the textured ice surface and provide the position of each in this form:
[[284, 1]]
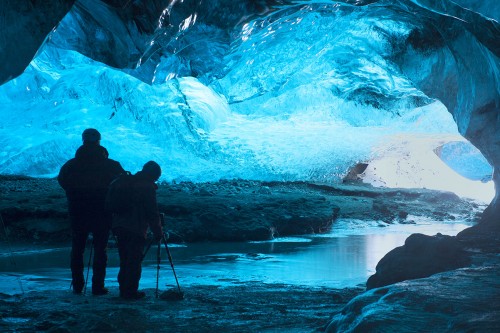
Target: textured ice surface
[[300, 93]]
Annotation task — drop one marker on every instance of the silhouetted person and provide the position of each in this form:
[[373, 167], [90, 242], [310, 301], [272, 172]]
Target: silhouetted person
[[86, 178], [131, 226]]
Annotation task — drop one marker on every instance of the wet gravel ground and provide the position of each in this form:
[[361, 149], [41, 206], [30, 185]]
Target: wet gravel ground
[[247, 307]]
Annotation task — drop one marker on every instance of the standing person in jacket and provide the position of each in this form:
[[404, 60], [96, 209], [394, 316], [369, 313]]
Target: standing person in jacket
[[131, 226], [85, 179]]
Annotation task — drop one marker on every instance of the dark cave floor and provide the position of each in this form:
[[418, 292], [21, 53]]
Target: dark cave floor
[[249, 307]]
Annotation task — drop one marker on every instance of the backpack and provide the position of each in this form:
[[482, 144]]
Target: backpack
[[120, 195]]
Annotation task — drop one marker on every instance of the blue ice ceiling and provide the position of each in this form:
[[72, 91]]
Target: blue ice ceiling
[[270, 90]]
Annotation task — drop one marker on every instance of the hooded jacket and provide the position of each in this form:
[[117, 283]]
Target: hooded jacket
[[143, 212], [86, 177]]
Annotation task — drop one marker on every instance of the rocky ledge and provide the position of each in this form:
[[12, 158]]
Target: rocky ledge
[[463, 300], [34, 209], [432, 284]]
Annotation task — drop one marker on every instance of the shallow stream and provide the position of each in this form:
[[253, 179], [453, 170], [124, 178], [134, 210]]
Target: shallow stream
[[345, 257]]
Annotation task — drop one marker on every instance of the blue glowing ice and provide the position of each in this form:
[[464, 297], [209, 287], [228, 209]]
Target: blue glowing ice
[[300, 93]]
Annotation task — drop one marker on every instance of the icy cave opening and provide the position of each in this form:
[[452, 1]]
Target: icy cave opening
[[196, 134], [421, 149], [303, 93]]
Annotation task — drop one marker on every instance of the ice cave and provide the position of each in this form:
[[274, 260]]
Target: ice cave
[[355, 96]]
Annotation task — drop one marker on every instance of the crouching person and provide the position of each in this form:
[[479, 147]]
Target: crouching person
[[138, 211]]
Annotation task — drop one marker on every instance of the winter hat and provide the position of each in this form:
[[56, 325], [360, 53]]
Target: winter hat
[[91, 135], [153, 169]]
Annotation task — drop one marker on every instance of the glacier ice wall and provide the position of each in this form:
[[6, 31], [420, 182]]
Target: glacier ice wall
[[286, 90]]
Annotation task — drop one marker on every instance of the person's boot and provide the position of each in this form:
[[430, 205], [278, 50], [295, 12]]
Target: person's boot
[[98, 291], [77, 286]]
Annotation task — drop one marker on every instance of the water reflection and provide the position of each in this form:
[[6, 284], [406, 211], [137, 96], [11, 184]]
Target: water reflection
[[333, 262], [345, 257]]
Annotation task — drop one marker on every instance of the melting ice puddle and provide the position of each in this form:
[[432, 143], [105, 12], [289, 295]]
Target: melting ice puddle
[[285, 240], [343, 258], [15, 320]]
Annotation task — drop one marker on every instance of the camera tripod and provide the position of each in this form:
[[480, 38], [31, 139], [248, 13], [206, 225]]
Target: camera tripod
[[173, 294]]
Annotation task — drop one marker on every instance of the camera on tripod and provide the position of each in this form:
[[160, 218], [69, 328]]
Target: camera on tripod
[[164, 226]]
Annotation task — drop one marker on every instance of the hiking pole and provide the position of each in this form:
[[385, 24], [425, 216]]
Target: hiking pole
[[12, 261], [147, 248], [88, 266], [158, 259]]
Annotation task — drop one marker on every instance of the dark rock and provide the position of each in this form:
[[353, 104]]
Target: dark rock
[[24, 27], [403, 215], [463, 300], [264, 190], [484, 236], [421, 256], [299, 225], [354, 172], [257, 212], [384, 210]]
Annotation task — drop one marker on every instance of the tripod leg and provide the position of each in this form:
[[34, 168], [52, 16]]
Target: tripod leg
[[158, 259], [88, 266], [147, 249], [164, 239]]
